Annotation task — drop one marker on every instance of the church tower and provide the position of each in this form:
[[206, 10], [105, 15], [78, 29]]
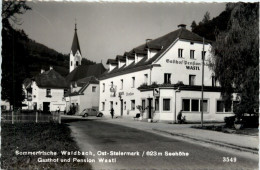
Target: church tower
[[75, 53]]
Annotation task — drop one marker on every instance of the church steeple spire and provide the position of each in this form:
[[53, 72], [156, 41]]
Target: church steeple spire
[[75, 43], [75, 25], [75, 55]]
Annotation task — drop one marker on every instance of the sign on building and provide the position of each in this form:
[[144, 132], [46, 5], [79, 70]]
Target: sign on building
[[156, 92]]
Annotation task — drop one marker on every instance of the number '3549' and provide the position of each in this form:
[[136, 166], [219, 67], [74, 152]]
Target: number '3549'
[[229, 159]]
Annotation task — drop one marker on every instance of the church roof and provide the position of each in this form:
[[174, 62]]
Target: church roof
[[83, 71], [51, 79], [75, 43]]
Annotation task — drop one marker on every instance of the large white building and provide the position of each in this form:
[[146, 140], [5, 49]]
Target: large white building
[[166, 74]]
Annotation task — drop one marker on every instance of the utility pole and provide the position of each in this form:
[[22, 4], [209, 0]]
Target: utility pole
[[202, 84]]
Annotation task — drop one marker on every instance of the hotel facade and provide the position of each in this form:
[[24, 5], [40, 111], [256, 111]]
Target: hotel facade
[[163, 76]]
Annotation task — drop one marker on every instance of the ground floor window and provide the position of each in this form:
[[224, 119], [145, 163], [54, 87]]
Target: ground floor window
[[221, 107], [103, 106], [194, 105], [186, 104], [156, 104], [166, 104], [132, 104]]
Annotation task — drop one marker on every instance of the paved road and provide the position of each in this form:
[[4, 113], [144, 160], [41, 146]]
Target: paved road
[[97, 136]]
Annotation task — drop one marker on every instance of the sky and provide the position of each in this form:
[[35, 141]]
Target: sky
[[107, 29]]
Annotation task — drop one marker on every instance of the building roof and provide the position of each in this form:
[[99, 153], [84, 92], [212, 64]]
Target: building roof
[[75, 43], [111, 61], [83, 71], [120, 58], [83, 83], [51, 79], [163, 42]]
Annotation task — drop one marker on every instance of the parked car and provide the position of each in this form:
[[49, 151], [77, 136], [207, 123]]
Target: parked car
[[91, 112]]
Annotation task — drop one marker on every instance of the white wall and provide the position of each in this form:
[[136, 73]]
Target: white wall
[[210, 115], [179, 72], [73, 59], [39, 96], [130, 93], [88, 100]]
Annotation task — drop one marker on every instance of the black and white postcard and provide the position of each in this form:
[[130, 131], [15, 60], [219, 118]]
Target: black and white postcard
[[129, 85]]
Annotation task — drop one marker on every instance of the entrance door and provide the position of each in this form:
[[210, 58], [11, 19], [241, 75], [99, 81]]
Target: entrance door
[[150, 108], [46, 107], [121, 107]]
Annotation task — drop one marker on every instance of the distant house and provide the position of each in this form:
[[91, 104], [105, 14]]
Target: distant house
[[5, 105], [45, 91], [84, 93]]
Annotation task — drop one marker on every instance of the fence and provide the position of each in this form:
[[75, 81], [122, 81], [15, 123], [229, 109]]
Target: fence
[[18, 117]]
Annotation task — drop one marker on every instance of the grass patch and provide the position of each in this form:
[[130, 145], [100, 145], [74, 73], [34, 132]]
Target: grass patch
[[25, 137]]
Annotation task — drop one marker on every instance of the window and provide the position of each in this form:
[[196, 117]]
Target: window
[[48, 92], [133, 81], [77, 63], [214, 80], [146, 78], [180, 52], [156, 104], [167, 78], [192, 80], [166, 105], [143, 104], [194, 105], [203, 54], [103, 106], [221, 107], [186, 104], [94, 88], [132, 104], [71, 63], [122, 84], [112, 84], [65, 91], [205, 105], [192, 54], [104, 87], [111, 105]]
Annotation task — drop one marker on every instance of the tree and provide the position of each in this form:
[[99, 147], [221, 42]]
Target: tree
[[206, 18], [235, 60], [13, 52], [10, 10], [193, 25]]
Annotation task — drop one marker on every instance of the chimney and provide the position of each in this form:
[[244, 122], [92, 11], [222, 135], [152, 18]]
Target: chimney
[[148, 40], [182, 26], [42, 70], [51, 67]]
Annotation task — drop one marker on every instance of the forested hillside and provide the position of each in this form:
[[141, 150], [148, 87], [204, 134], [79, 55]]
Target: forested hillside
[[22, 57]]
